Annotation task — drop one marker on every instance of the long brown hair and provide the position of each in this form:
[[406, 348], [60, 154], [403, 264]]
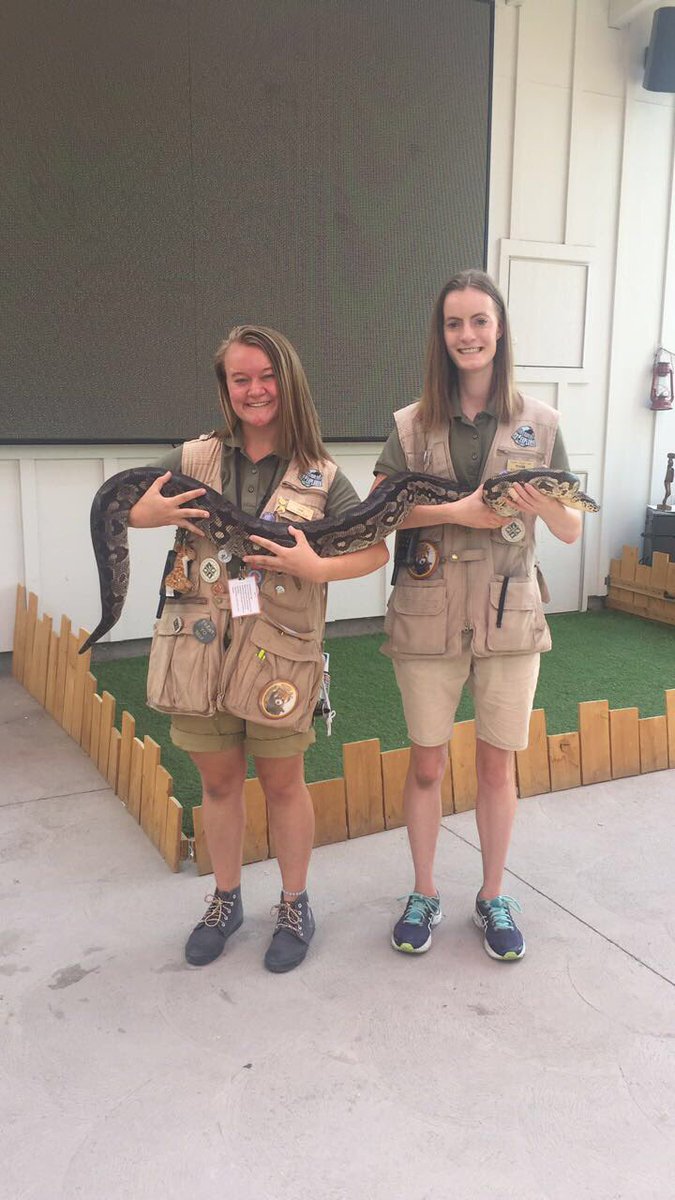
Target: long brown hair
[[299, 432], [441, 377]]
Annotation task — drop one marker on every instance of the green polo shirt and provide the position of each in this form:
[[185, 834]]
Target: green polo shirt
[[259, 480], [470, 441]]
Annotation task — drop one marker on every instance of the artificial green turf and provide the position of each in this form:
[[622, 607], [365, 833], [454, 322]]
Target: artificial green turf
[[603, 655]]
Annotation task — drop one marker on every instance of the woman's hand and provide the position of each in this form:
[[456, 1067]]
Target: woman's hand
[[299, 560], [153, 509], [472, 512], [564, 523]]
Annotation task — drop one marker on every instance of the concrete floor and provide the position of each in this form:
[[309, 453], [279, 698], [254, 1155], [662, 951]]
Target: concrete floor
[[365, 1074]]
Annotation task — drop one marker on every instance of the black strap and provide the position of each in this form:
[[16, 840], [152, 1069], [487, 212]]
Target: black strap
[[502, 601]]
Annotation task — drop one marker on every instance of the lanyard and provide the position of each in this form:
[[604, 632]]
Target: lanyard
[[237, 479]]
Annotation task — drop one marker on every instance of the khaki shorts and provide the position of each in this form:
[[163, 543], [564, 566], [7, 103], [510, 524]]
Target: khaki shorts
[[502, 687], [224, 732]]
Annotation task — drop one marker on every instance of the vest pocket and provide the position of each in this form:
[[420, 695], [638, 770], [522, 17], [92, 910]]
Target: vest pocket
[[516, 623], [416, 619], [275, 677], [183, 671]]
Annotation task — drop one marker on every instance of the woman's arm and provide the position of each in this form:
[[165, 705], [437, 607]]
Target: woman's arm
[[564, 523], [470, 511], [302, 561]]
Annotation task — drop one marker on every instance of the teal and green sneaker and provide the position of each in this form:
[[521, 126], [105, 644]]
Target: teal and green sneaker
[[412, 933], [502, 938]]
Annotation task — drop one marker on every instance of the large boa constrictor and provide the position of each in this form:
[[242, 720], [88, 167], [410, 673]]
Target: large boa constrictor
[[228, 527]]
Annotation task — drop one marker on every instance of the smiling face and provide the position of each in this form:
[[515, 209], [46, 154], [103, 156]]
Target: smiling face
[[471, 330], [252, 385]]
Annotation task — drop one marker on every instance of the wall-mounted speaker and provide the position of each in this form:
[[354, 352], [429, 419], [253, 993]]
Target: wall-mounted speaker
[[660, 56]]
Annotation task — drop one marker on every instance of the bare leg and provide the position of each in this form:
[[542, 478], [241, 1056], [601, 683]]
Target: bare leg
[[422, 810], [223, 774], [495, 813], [291, 817]]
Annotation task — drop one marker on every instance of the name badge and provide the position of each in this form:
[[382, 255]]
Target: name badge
[[520, 464], [244, 596], [299, 510]]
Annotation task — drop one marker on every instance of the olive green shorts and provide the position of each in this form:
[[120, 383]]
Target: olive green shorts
[[198, 735]]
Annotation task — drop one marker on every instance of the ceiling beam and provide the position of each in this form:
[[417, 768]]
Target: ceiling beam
[[622, 12]]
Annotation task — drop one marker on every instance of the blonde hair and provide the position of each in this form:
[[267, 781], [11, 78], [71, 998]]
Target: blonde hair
[[441, 377], [299, 432]]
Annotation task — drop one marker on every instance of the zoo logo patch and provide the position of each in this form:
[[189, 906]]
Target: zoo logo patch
[[524, 436], [312, 478]]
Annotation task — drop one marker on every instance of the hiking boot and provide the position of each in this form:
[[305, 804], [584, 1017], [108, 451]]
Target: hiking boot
[[412, 933], [502, 938], [223, 916], [293, 932]]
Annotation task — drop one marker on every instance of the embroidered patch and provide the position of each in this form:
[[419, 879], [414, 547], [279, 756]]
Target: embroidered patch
[[524, 436], [426, 561], [278, 699], [311, 478]]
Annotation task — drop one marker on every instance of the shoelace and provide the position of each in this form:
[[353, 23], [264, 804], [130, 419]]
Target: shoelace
[[499, 912], [288, 917], [418, 909], [218, 910]]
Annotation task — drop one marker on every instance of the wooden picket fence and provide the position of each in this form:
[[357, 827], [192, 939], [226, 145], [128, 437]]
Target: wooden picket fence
[[51, 669], [645, 591], [368, 798], [610, 744]]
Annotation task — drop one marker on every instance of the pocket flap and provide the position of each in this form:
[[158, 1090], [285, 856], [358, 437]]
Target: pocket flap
[[299, 647], [521, 594], [419, 601]]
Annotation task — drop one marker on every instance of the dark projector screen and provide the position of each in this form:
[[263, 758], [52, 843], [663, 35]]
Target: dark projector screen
[[172, 168]]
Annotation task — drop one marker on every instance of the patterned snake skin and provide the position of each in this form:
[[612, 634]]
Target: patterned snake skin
[[228, 527]]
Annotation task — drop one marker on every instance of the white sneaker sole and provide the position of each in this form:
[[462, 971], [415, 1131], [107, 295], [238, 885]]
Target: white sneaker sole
[[406, 948], [511, 956]]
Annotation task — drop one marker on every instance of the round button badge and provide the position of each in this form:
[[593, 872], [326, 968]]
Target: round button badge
[[204, 630], [514, 531], [224, 555]]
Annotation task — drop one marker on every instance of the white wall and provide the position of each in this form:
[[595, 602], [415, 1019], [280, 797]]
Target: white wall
[[582, 179], [582, 193]]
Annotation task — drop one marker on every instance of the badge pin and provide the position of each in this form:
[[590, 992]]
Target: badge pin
[[524, 436], [177, 624], [210, 570], [224, 555], [278, 699], [219, 588], [514, 531], [426, 561], [269, 516], [257, 575], [204, 630], [279, 589]]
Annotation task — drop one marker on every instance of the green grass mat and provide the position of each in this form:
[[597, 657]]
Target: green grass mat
[[596, 656]]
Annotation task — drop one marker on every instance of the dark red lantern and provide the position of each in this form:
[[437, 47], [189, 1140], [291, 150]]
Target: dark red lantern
[[661, 395]]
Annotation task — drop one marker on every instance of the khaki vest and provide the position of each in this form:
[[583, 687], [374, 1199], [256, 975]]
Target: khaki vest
[[428, 616], [265, 668]]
